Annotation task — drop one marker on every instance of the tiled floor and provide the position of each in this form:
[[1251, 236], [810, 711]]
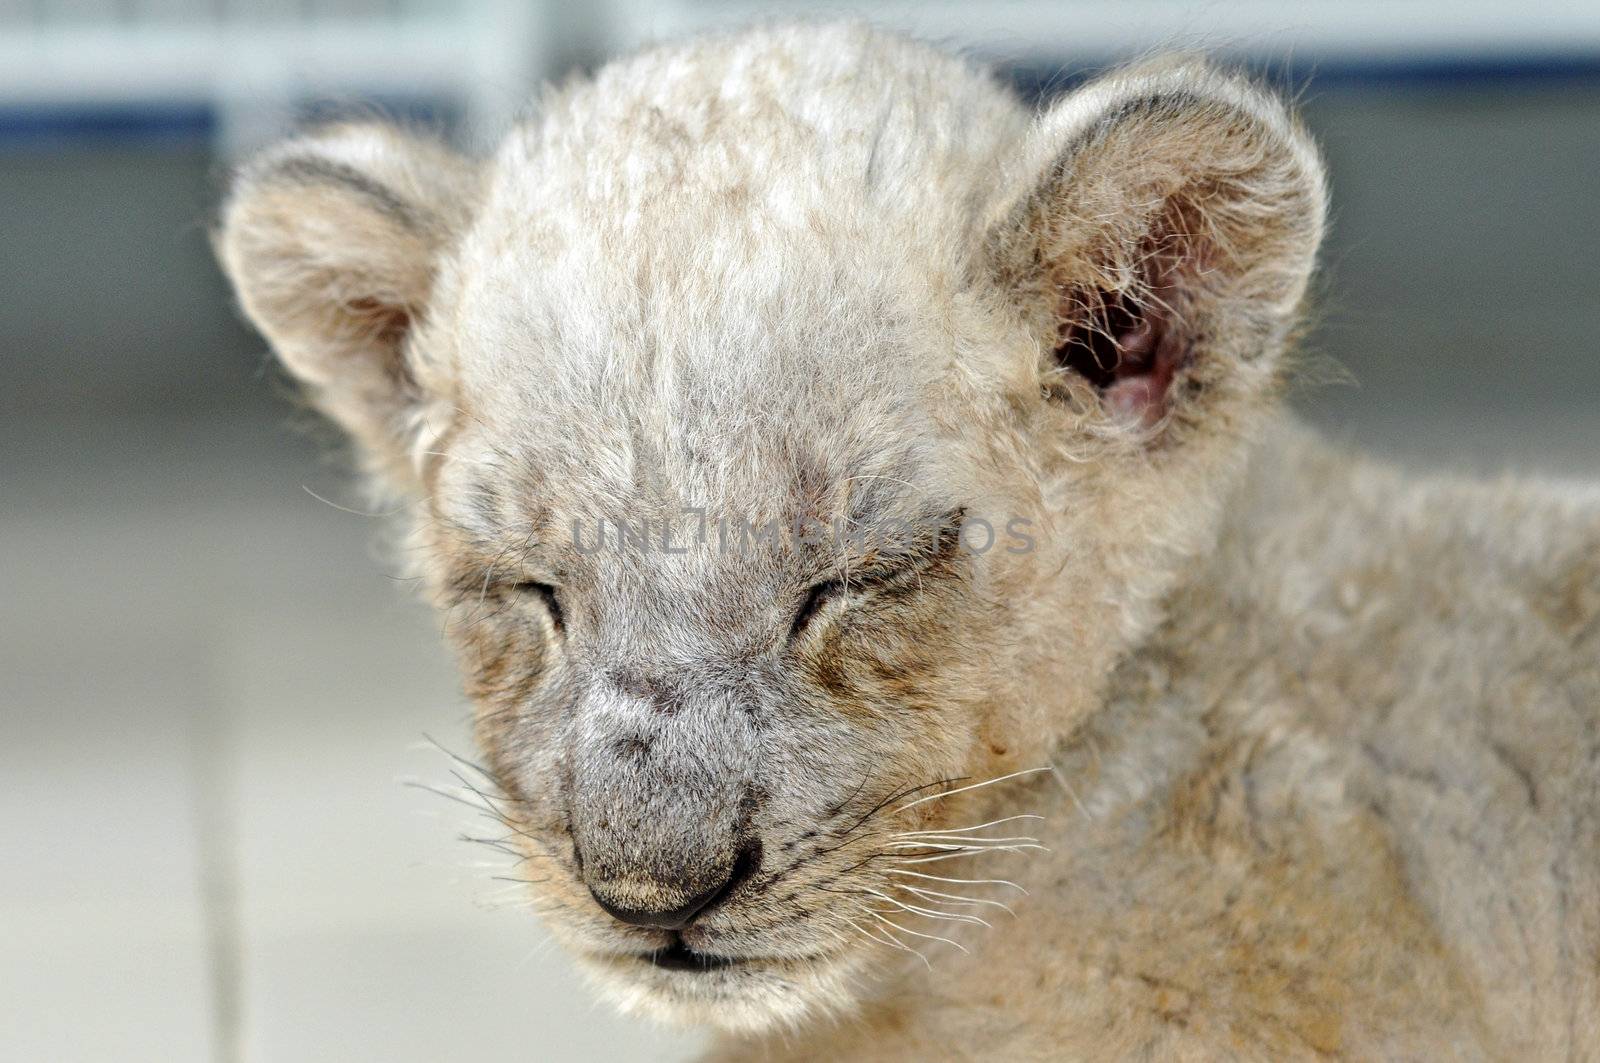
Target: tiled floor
[[212, 693]]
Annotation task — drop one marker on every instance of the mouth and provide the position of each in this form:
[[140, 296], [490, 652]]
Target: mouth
[[680, 957], [738, 994]]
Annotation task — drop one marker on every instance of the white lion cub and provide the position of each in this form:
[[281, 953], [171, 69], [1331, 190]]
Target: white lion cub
[[890, 589]]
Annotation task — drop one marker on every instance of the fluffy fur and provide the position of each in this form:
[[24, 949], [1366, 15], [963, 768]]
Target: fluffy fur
[[1319, 744]]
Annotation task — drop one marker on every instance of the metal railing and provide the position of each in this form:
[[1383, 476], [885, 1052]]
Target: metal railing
[[253, 63]]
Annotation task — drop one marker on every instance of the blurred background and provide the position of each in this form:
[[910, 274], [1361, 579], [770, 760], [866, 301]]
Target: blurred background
[[213, 688]]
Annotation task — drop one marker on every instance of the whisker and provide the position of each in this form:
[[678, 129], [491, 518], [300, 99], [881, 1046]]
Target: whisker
[[459, 759], [482, 806], [493, 843], [890, 940], [935, 858], [961, 881], [347, 509], [489, 802], [868, 933], [417, 784], [980, 826], [955, 898], [914, 933], [893, 797], [997, 848], [928, 912], [1065, 785], [970, 786], [505, 846], [961, 838]]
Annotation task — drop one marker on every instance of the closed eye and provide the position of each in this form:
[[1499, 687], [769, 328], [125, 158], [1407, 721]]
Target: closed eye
[[910, 565], [816, 597], [546, 594]]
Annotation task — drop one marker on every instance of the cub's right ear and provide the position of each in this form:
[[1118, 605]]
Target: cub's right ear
[[333, 242]]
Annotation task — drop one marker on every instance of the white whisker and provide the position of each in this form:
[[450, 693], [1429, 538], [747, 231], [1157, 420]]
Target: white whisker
[[960, 881], [935, 858], [347, 509], [892, 941], [955, 898], [980, 826], [914, 933], [968, 848], [970, 786], [941, 839], [928, 912], [1062, 779]]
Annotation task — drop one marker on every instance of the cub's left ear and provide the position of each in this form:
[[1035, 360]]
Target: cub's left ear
[[1159, 243], [334, 242]]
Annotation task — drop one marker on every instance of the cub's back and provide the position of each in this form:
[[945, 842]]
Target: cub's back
[[1444, 639]]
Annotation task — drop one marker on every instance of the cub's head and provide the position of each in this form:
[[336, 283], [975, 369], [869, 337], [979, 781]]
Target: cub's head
[[787, 464]]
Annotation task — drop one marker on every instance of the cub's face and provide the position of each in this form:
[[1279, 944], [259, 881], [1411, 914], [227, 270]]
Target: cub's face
[[726, 618], [778, 533]]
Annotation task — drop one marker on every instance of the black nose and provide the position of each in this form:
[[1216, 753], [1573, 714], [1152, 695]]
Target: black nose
[[684, 914]]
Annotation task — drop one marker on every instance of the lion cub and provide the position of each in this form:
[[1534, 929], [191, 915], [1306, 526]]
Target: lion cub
[[891, 592]]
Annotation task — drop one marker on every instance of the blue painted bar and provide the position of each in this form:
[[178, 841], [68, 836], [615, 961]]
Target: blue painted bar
[[35, 127]]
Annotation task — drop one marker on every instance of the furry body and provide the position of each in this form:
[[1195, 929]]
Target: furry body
[[1321, 740], [1344, 802]]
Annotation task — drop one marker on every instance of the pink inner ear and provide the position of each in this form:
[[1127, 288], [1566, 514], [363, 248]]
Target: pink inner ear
[[1129, 353], [1143, 373]]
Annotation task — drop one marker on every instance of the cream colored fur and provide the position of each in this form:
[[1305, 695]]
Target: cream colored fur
[[1343, 802], [1315, 745]]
